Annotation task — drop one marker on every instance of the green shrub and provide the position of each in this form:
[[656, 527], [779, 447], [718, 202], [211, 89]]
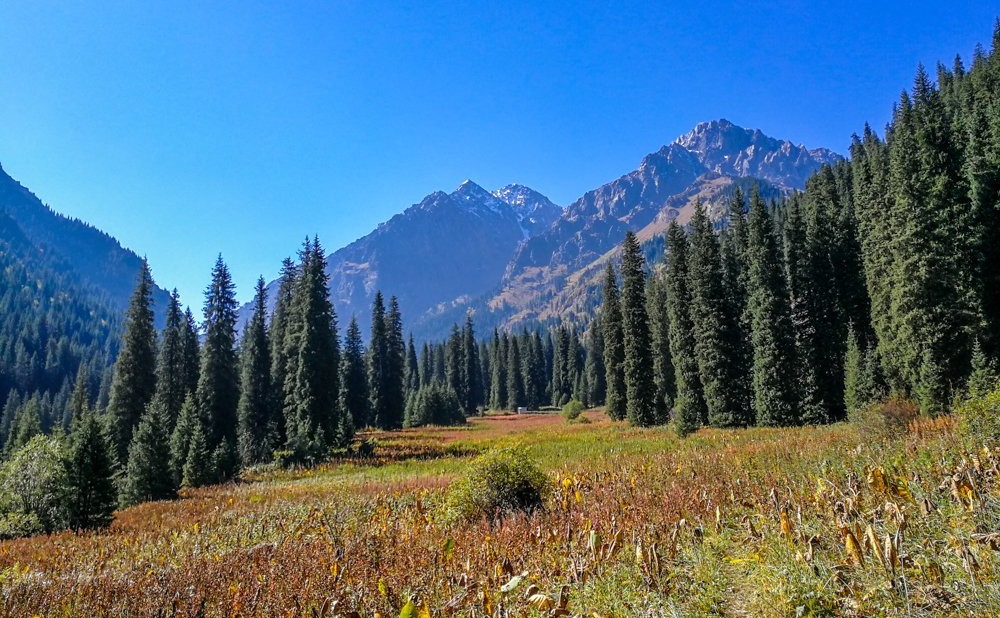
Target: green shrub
[[502, 481], [433, 404], [35, 488], [887, 419], [980, 417], [572, 410]]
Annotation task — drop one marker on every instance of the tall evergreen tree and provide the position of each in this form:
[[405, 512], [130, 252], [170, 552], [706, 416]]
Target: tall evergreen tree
[[180, 439], [91, 475], [354, 378], [595, 371], [803, 302], [498, 394], [256, 431], [383, 416], [396, 347], [716, 327], [280, 343], [774, 395], [312, 412], [218, 389], [147, 474], [471, 378], [134, 380], [614, 346], [172, 373], [639, 387], [690, 410], [515, 384]]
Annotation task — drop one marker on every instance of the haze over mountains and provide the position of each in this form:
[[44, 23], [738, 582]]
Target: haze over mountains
[[510, 255]]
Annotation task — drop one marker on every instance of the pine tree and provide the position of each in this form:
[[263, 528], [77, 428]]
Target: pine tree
[[353, 378], [147, 474], [659, 330], [853, 366], [515, 385], [134, 380], [983, 379], [690, 410], [639, 387], [180, 440], [79, 403], [412, 374], [378, 368], [716, 326], [312, 412], [218, 394], [614, 347], [813, 408], [471, 378], [256, 430], [498, 394], [280, 344], [91, 474], [172, 374], [774, 395], [198, 469], [396, 359], [594, 370]]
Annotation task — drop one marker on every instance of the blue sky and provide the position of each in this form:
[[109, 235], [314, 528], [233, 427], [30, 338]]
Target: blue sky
[[186, 129]]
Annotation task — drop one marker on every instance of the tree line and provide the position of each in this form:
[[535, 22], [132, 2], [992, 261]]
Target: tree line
[[880, 278]]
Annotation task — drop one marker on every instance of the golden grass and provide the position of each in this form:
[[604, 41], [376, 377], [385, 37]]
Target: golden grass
[[755, 522]]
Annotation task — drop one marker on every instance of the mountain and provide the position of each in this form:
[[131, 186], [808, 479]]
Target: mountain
[[515, 258], [95, 258], [554, 275], [437, 254]]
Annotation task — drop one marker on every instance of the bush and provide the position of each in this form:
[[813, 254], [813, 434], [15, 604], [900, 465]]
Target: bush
[[886, 420], [572, 410], [980, 417], [35, 488], [500, 482]]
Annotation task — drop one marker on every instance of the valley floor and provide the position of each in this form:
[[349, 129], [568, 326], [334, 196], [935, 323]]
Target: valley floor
[[755, 522]]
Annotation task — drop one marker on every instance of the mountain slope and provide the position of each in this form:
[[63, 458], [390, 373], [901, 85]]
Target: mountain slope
[[439, 253], [96, 258]]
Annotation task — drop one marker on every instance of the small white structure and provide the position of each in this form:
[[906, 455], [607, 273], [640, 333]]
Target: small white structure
[[522, 410]]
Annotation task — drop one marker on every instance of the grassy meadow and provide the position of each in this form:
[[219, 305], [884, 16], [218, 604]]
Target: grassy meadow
[[758, 522]]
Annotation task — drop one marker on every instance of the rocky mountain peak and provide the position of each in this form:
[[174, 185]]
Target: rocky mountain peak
[[535, 212]]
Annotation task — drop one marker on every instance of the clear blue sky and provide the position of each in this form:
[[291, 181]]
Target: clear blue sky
[[191, 128]]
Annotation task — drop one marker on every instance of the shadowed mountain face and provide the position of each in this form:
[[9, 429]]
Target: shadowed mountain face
[[93, 257], [515, 258]]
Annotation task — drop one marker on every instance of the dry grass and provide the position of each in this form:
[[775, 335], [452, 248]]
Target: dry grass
[[757, 522]]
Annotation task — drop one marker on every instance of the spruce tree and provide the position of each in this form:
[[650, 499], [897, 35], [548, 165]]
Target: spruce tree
[[396, 348], [640, 390], [79, 402], [659, 330], [218, 393], [312, 412], [471, 378], [690, 410], [411, 376], [280, 345], [515, 383], [134, 379], [91, 475], [594, 370], [813, 407], [614, 347], [180, 438], [353, 378], [198, 469], [256, 430], [498, 394], [172, 373], [378, 368], [774, 394], [716, 326], [147, 474]]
